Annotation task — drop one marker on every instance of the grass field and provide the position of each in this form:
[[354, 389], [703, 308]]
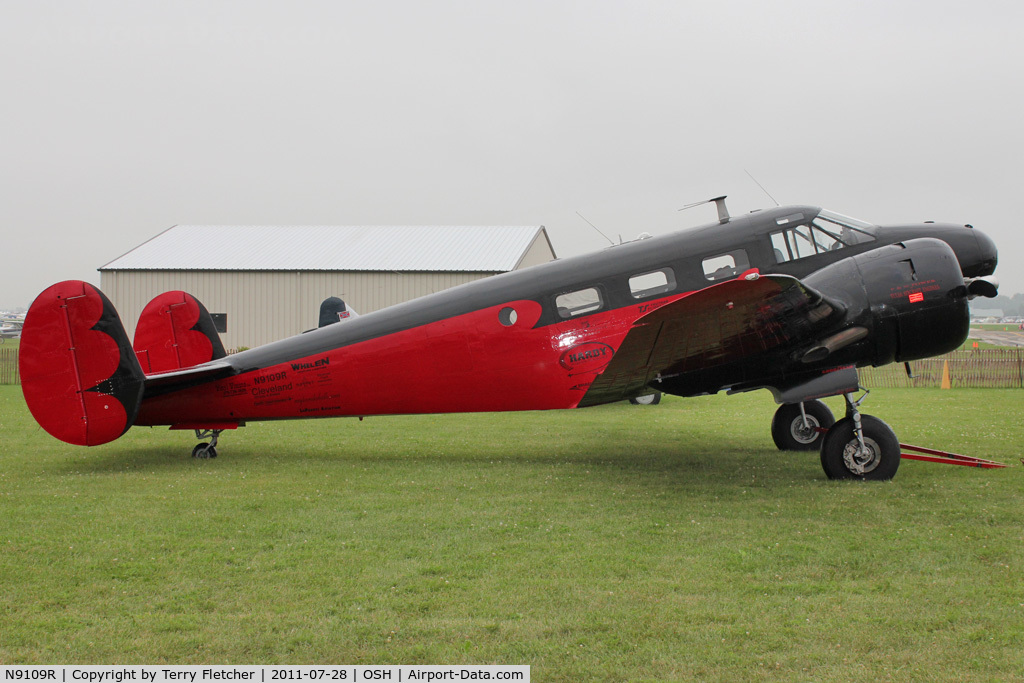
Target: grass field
[[615, 543]]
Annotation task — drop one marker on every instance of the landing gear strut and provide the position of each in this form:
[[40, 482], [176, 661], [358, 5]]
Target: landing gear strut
[[799, 426], [859, 446], [206, 450]]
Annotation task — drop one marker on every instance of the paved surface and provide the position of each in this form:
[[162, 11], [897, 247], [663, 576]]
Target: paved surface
[[1011, 337]]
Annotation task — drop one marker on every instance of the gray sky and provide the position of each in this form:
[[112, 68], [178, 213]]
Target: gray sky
[[120, 119]]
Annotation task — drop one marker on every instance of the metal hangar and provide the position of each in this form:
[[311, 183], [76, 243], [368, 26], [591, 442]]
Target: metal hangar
[[264, 283]]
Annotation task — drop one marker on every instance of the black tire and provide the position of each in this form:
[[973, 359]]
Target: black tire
[[652, 399], [788, 430], [839, 449], [204, 451]]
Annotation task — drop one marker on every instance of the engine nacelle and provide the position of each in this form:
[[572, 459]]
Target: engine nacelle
[[910, 297]]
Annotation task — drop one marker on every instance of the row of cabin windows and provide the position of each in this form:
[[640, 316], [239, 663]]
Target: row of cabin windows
[[797, 242], [582, 301], [662, 281]]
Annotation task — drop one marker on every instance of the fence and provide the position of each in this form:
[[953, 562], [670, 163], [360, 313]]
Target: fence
[[980, 368], [9, 366]]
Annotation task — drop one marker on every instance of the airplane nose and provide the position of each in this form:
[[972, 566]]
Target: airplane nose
[[988, 254]]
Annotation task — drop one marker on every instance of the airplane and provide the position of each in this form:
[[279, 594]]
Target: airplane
[[790, 299], [10, 329]]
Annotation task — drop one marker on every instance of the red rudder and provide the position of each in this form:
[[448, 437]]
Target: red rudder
[[80, 378], [176, 331]]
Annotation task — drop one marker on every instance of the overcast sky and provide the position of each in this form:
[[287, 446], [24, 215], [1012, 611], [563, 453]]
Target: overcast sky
[[120, 119]]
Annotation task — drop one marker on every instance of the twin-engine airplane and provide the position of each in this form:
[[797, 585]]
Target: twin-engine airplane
[[792, 300]]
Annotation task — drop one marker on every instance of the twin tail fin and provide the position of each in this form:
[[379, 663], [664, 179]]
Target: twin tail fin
[[175, 331], [83, 380]]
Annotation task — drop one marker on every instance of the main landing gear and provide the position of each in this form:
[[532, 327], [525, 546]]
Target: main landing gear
[[856, 447], [801, 426], [206, 450], [860, 446], [651, 399]]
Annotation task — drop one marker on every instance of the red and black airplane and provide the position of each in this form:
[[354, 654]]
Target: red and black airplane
[[792, 299]]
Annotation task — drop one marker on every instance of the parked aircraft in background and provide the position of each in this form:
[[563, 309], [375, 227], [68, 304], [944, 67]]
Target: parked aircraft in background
[[10, 328], [791, 300]]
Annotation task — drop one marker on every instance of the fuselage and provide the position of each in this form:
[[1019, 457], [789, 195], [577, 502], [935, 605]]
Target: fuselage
[[529, 339]]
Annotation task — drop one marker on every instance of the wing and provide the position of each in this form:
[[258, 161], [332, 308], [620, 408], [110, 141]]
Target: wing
[[715, 337]]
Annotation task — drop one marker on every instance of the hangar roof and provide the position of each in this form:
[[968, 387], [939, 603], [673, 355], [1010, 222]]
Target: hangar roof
[[476, 248]]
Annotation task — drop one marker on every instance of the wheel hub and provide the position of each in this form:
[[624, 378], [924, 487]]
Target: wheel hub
[[862, 460], [804, 434]]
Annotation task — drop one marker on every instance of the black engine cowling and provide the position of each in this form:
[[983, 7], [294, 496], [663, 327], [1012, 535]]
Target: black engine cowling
[[910, 297]]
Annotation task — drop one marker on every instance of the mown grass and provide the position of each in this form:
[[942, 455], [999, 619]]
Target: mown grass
[[615, 543]]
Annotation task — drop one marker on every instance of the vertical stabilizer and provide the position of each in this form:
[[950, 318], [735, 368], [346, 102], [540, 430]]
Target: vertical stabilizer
[[175, 331], [80, 377]]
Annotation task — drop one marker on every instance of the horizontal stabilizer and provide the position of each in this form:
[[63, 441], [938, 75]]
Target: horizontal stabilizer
[[188, 376]]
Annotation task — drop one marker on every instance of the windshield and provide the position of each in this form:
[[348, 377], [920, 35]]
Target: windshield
[[826, 232], [846, 221]]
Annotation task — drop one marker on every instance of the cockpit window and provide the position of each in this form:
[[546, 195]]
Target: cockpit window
[[850, 230], [821, 235]]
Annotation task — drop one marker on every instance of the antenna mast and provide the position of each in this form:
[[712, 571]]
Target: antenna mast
[[761, 186], [723, 212], [596, 228]]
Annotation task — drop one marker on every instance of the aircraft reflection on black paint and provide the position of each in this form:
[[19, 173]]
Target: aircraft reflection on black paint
[[792, 299]]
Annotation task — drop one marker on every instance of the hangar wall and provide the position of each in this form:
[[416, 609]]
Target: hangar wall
[[538, 252], [264, 306]]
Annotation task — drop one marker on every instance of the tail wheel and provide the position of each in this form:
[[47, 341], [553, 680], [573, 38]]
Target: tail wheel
[[842, 456], [790, 433], [204, 451]]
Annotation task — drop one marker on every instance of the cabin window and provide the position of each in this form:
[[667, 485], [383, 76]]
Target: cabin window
[[576, 303], [726, 266], [649, 284]]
